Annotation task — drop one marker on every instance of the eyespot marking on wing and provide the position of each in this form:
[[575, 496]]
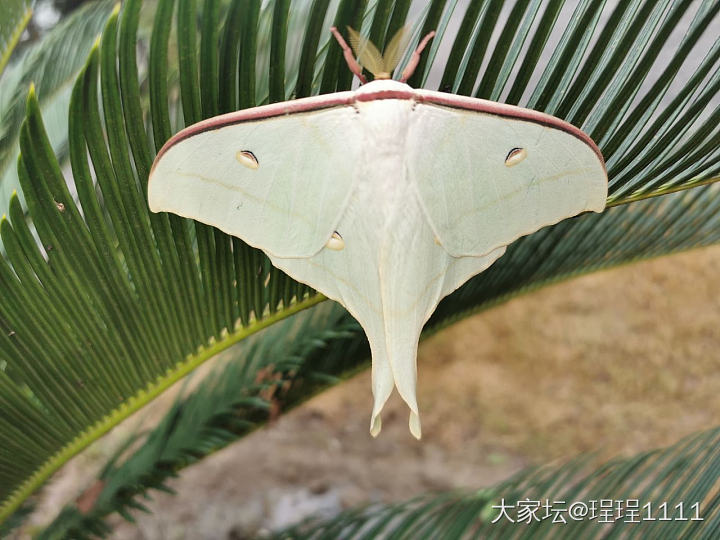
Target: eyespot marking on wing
[[515, 156], [336, 243], [247, 158]]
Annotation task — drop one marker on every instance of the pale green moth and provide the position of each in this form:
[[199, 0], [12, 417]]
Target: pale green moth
[[385, 199]]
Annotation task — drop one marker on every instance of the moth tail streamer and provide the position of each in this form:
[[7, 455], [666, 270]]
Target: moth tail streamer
[[394, 370], [382, 386]]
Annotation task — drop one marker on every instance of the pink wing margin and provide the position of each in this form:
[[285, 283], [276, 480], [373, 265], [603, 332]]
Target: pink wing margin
[[282, 108], [501, 109], [349, 98]]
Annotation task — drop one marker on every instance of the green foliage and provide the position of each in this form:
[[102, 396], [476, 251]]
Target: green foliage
[[52, 65], [16, 519], [228, 404], [331, 347], [15, 16], [683, 473], [115, 304]]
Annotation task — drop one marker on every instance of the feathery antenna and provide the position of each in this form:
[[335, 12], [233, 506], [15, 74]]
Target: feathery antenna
[[369, 57]]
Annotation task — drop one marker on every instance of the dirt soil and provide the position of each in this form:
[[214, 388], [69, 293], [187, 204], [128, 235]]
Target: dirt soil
[[617, 361]]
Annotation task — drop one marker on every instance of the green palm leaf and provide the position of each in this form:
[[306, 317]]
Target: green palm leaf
[[115, 304], [52, 64], [15, 16], [683, 474], [332, 348], [228, 404]]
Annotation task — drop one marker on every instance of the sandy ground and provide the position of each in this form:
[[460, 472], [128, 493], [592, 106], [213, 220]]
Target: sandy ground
[[617, 361]]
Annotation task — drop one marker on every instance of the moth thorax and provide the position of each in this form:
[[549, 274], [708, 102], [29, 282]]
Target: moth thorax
[[383, 85], [386, 124]]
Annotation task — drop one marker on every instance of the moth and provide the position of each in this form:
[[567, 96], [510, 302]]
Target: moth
[[385, 199]]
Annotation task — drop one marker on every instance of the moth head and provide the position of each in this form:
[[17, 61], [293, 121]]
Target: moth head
[[381, 65]]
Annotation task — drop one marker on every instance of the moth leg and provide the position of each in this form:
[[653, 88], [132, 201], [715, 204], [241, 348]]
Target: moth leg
[[349, 56], [415, 58]]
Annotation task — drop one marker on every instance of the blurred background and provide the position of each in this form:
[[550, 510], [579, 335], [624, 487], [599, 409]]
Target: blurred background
[[615, 362]]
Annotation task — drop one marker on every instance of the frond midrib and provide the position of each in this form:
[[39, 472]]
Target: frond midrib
[[142, 398]]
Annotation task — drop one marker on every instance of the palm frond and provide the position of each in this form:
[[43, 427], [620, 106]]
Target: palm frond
[[15, 15], [16, 520], [229, 403], [343, 349], [108, 305], [617, 90], [51, 65], [670, 492]]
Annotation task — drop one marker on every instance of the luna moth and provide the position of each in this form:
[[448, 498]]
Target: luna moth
[[385, 199]]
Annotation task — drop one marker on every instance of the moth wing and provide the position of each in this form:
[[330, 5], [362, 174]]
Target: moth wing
[[474, 201], [307, 153]]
